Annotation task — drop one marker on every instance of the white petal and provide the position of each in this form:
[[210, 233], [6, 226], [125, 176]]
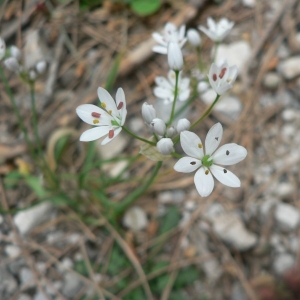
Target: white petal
[[187, 165], [213, 138], [106, 98], [116, 132], [204, 182], [190, 144], [209, 33], [229, 154], [181, 33], [162, 93], [163, 82], [184, 95], [123, 117], [225, 176], [120, 97], [184, 83], [160, 49], [85, 111], [159, 38], [94, 133], [169, 27]]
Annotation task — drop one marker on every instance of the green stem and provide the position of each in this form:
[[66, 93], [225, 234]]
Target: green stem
[[175, 98], [121, 207], [16, 110], [137, 137]]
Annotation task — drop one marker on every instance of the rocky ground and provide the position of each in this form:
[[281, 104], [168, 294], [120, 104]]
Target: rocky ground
[[242, 244]]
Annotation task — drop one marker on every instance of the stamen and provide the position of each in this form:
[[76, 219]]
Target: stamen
[[206, 172], [103, 104], [214, 77], [96, 121], [227, 152], [120, 105], [111, 134], [110, 111], [221, 75], [95, 115], [216, 138], [200, 146], [225, 171], [192, 163]]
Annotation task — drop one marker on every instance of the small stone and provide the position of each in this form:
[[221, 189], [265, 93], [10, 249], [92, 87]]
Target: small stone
[[277, 244], [28, 219], [272, 80], [283, 51], [114, 148], [290, 68], [237, 53], [283, 262], [284, 190], [190, 205], [230, 106], [230, 229], [287, 216], [40, 296], [288, 130], [209, 96], [26, 276], [74, 238], [66, 264], [238, 292], [12, 250], [72, 285], [1, 219], [266, 207], [24, 297], [135, 218], [289, 115], [214, 210], [249, 3], [8, 284]]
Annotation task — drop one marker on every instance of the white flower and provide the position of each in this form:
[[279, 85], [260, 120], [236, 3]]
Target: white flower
[[159, 126], [171, 34], [217, 31], [183, 124], [41, 66], [165, 88], [165, 146], [15, 52], [221, 76], [109, 119], [171, 132], [193, 37], [148, 113], [175, 58], [13, 65], [2, 48], [32, 74], [208, 162]]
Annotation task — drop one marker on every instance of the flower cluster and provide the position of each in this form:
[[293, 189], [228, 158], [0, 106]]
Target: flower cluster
[[109, 117], [12, 58]]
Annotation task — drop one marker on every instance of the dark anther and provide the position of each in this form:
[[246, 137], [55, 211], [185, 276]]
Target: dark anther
[[227, 152], [225, 171], [193, 163], [216, 138]]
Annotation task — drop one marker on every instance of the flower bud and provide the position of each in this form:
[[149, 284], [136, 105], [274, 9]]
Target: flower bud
[[2, 48], [194, 37], [159, 126], [183, 124], [12, 64], [202, 86], [41, 66], [15, 52], [175, 58], [165, 146], [171, 131], [32, 75], [148, 113]]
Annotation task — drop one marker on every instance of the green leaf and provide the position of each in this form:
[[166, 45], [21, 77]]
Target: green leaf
[[12, 179], [136, 294], [186, 276], [170, 219], [145, 7], [81, 267], [118, 261]]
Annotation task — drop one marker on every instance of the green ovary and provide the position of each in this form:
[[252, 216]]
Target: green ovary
[[206, 162]]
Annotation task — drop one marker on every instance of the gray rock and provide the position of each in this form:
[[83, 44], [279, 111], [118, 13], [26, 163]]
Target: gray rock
[[24, 297], [287, 216], [266, 207], [12, 250], [272, 80], [283, 262], [230, 106], [26, 276], [30, 218], [283, 51], [277, 243], [72, 285], [290, 68], [289, 114], [284, 190], [8, 284], [237, 53], [40, 296], [238, 292], [230, 229], [135, 218]]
